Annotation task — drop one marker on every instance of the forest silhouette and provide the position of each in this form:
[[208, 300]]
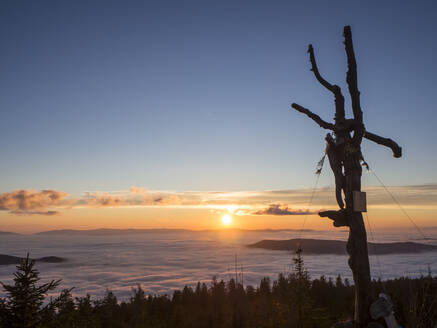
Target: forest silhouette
[[292, 300]]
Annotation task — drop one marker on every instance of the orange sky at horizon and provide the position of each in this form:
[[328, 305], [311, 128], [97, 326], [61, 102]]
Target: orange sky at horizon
[[198, 219], [32, 211]]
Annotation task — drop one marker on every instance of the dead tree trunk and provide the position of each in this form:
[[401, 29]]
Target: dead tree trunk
[[345, 158]]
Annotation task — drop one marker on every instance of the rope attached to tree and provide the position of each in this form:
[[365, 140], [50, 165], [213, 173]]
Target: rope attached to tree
[[397, 203], [319, 168]]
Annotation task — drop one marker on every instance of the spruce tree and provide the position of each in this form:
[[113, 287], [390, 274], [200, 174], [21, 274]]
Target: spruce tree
[[24, 300], [301, 289]]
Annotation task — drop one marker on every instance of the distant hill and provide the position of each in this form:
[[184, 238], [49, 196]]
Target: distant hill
[[103, 231], [8, 233], [338, 247], [8, 259]]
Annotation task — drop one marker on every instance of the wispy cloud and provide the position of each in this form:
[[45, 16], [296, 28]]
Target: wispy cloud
[[30, 202], [47, 213], [281, 209], [265, 202]]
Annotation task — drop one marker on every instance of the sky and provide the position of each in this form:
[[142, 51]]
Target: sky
[[114, 113]]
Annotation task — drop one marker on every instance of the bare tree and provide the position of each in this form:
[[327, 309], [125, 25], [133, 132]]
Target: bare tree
[[346, 160]]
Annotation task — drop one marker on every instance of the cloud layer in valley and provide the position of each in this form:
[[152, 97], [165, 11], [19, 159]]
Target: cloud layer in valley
[[163, 261]]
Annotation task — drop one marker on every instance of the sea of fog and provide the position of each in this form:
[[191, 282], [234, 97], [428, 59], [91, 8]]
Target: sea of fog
[[162, 261]]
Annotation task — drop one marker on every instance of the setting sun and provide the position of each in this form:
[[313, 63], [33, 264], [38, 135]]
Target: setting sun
[[226, 219]]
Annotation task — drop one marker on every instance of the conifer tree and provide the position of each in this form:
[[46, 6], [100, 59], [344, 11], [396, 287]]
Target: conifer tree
[[301, 290], [24, 300]]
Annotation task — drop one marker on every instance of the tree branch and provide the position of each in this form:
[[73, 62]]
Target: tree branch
[[335, 89], [397, 151], [339, 217], [315, 70], [316, 118], [351, 76]]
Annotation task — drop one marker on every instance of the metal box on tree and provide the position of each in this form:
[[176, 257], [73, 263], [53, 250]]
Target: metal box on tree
[[360, 203]]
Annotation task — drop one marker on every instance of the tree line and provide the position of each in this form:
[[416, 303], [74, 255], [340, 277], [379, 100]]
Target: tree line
[[292, 300]]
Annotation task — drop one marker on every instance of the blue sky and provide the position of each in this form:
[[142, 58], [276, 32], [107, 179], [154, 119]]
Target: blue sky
[[195, 95]]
